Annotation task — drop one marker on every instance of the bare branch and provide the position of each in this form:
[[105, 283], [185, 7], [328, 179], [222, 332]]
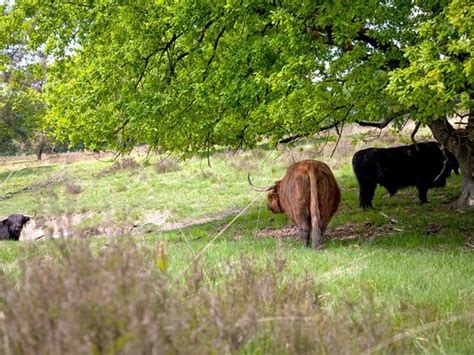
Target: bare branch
[[382, 124], [164, 48], [339, 135], [379, 125], [295, 138]]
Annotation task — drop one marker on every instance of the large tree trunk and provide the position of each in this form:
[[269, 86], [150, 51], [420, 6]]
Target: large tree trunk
[[461, 144]]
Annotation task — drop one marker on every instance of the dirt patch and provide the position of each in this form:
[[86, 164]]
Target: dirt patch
[[158, 220], [75, 224], [55, 227], [347, 231], [97, 223], [367, 231], [285, 232]]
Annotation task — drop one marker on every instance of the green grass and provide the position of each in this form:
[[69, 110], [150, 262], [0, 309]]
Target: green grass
[[416, 276]]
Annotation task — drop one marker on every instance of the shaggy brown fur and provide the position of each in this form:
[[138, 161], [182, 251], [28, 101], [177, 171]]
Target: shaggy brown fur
[[309, 196]]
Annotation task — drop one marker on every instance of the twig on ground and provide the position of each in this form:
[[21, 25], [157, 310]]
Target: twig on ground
[[391, 219], [36, 186]]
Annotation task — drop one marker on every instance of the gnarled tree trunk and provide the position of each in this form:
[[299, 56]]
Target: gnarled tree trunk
[[461, 144]]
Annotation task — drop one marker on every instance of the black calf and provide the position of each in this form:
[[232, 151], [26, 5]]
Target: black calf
[[11, 227]]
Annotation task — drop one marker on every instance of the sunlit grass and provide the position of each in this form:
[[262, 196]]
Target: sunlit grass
[[418, 269]]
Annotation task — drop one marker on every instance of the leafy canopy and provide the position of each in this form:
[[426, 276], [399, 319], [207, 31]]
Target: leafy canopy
[[186, 75]]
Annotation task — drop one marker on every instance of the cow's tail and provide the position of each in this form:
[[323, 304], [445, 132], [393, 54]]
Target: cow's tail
[[316, 233]]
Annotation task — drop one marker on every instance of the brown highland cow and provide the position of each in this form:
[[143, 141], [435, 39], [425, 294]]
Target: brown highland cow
[[308, 195]]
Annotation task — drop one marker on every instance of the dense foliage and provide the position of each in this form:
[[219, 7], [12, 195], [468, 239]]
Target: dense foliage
[[21, 101], [186, 75]]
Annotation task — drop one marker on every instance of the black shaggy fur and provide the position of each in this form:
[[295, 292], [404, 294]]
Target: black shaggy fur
[[11, 227], [424, 165]]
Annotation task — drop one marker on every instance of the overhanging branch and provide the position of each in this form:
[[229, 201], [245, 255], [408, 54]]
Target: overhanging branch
[[382, 124], [379, 125], [211, 59], [321, 129]]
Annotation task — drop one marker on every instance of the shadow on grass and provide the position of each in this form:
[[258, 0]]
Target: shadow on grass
[[432, 226]]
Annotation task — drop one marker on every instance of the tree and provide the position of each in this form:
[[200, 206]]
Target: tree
[[186, 75], [21, 100], [21, 110], [439, 82]]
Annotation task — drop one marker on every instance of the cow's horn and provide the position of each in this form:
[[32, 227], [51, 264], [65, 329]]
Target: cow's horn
[[256, 188], [31, 217]]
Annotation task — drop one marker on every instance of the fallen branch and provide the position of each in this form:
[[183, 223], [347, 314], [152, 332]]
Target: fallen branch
[[36, 186]]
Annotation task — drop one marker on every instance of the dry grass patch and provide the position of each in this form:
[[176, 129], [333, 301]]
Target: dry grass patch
[[166, 166], [117, 300], [73, 188], [123, 164], [242, 164]]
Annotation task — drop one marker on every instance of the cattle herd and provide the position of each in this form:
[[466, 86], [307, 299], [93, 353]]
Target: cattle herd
[[309, 195]]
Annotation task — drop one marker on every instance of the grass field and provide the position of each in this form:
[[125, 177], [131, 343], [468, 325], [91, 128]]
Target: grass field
[[177, 256]]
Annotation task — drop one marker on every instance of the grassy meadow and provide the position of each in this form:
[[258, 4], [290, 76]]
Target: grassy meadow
[[169, 256]]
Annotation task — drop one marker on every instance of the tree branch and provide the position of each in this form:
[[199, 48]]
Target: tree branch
[[198, 42], [413, 134], [382, 124], [442, 130], [321, 129], [364, 37], [173, 39], [211, 59]]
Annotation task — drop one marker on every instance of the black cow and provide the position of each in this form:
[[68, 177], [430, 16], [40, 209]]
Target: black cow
[[11, 227], [424, 165]]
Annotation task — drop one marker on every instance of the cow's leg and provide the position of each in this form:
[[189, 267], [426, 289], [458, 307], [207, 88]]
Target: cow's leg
[[316, 238], [366, 194], [423, 193], [303, 230], [304, 236]]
